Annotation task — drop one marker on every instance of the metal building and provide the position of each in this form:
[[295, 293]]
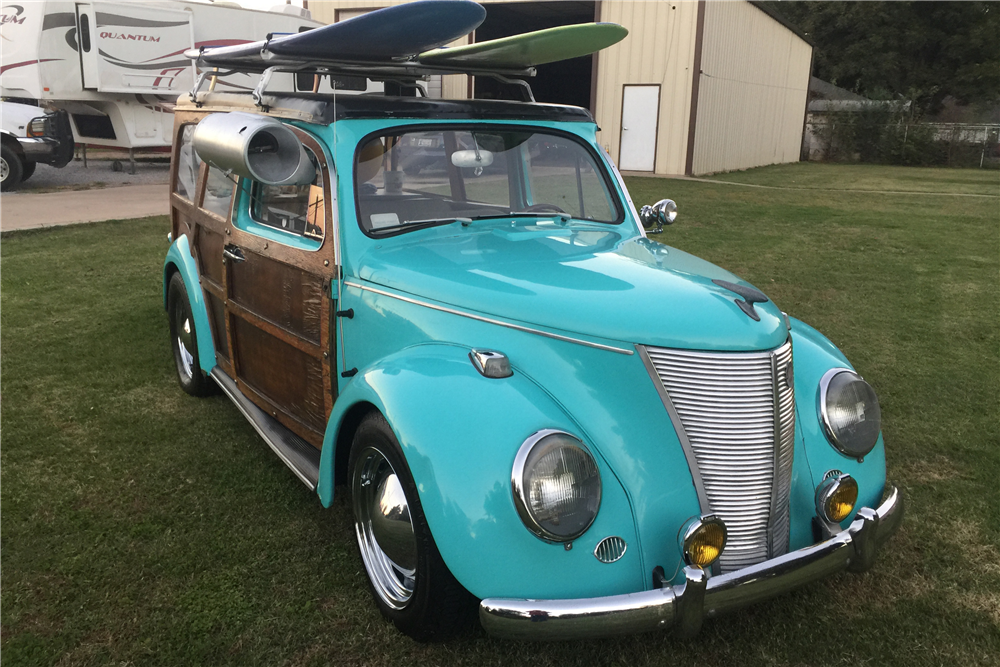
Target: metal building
[[697, 87]]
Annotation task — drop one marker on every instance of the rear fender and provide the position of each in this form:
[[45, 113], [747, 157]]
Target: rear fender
[[179, 260], [459, 433]]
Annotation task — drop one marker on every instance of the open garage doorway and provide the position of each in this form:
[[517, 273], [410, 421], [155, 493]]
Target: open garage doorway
[[565, 82]]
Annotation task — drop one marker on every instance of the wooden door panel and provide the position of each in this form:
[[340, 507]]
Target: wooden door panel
[[210, 243], [217, 315], [282, 294], [287, 377]]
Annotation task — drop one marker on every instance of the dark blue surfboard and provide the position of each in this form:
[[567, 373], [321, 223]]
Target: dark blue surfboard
[[383, 35]]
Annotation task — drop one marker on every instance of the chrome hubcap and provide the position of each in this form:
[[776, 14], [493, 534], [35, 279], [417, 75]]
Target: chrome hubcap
[[385, 531], [4, 169], [185, 360]]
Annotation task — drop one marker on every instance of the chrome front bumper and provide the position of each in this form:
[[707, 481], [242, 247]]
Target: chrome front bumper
[[685, 605]]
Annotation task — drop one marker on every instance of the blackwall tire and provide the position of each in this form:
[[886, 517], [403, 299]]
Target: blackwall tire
[[410, 583], [184, 340], [28, 168], [11, 168]]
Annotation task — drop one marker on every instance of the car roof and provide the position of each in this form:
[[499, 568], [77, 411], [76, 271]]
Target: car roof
[[326, 109]]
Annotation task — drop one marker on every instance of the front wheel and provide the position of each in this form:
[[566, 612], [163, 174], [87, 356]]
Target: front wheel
[[11, 168], [410, 582], [184, 340]]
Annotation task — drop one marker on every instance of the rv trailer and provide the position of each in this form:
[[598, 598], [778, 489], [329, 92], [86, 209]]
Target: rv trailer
[[117, 68]]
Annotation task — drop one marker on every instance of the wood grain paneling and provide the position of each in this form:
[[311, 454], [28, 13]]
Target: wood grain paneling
[[272, 320], [209, 246], [217, 314], [286, 376], [283, 294]]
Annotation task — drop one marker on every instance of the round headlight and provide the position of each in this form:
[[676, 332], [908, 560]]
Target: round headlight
[[556, 485], [850, 412]]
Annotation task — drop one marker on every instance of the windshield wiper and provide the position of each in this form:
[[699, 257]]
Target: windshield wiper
[[523, 214], [420, 224]]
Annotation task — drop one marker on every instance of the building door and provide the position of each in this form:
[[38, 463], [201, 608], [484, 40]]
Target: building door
[[640, 112]]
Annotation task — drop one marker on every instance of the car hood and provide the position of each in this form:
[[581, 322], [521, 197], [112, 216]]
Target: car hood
[[578, 279]]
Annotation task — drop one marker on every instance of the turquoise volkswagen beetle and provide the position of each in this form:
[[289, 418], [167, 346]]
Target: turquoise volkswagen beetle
[[540, 415]]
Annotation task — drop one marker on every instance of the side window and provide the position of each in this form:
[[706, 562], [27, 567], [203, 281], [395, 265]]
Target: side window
[[218, 192], [294, 209], [188, 163]]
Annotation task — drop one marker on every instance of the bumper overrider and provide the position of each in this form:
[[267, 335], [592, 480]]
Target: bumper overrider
[[683, 606]]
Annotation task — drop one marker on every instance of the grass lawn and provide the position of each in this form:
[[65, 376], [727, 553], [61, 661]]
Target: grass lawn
[[144, 527], [869, 177]]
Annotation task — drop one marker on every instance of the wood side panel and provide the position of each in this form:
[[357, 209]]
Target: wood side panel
[[209, 246], [272, 329], [286, 376], [280, 293], [299, 428], [217, 316]]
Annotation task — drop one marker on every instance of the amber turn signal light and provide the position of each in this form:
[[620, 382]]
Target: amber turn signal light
[[836, 498], [703, 539]]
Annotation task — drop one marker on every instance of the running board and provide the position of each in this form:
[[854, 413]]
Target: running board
[[297, 454]]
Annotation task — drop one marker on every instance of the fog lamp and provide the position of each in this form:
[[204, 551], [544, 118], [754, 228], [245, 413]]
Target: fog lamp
[[836, 498], [703, 539]]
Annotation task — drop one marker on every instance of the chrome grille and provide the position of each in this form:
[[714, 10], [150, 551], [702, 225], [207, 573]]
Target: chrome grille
[[736, 419], [784, 428]]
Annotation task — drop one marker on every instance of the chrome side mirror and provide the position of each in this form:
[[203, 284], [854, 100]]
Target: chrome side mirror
[[663, 212]]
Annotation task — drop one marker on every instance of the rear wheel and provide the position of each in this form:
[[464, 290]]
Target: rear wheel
[[410, 582], [11, 168], [184, 340]]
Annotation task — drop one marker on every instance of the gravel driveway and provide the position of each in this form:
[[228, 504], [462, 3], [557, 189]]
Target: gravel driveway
[[97, 174]]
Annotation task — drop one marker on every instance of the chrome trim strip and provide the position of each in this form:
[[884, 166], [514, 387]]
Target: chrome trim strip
[[685, 605], [782, 373], [489, 320], [264, 436], [675, 419]]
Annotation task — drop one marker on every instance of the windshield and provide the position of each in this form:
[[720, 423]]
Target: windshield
[[410, 179]]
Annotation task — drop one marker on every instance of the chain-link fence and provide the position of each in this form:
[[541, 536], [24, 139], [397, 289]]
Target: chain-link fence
[[883, 136]]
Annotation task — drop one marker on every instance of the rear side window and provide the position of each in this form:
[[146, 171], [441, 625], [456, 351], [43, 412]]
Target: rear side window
[[293, 209], [218, 192], [188, 164]]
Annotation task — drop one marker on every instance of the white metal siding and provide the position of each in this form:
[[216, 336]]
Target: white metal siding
[[658, 50], [451, 86], [753, 88]]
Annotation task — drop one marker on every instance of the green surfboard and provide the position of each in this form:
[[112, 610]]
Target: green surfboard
[[529, 49]]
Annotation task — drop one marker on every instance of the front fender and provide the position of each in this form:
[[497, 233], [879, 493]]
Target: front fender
[[179, 259], [814, 356], [460, 432]]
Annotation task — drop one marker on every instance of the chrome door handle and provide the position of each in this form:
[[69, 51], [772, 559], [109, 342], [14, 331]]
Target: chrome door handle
[[234, 253]]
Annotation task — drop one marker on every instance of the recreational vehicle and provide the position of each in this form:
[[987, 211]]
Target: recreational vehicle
[[117, 68]]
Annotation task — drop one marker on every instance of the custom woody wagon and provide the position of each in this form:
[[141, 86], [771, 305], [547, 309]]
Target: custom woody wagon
[[537, 411]]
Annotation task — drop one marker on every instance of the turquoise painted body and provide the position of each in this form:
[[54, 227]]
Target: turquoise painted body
[[606, 287], [179, 257], [814, 356]]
